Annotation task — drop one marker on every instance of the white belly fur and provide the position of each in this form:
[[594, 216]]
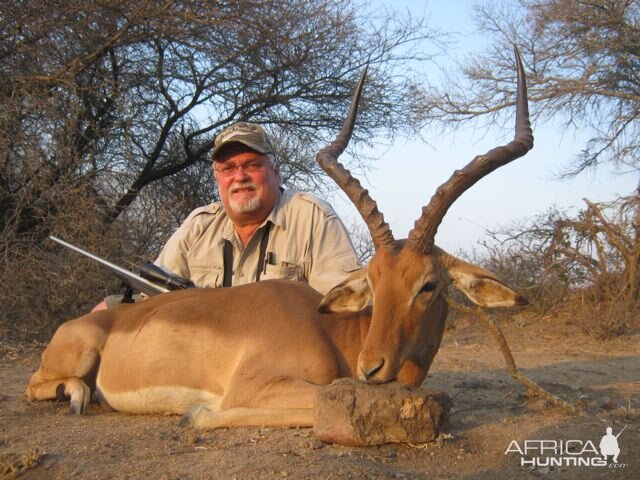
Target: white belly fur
[[159, 400]]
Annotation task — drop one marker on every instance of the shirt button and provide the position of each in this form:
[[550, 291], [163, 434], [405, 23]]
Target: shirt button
[[240, 275]]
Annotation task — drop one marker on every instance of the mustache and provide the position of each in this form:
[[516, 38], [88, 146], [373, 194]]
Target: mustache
[[242, 186]]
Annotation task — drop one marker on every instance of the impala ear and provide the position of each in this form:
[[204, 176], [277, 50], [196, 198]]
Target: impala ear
[[352, 295], [482, 287]]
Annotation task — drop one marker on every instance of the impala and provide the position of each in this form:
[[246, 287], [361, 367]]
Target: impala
[[255, 354]]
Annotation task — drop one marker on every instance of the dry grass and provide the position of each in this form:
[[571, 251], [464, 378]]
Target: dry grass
[[12, 465]]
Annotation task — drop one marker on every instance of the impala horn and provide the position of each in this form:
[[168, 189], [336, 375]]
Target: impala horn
[[422, 235], [359, 196]]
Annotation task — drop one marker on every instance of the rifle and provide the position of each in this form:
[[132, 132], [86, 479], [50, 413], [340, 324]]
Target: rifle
[[152, 279]]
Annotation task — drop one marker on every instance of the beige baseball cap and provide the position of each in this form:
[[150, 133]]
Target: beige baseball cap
[[250, 134]]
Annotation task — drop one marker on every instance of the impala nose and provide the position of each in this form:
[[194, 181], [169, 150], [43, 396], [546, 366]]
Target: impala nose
[[368, 372]]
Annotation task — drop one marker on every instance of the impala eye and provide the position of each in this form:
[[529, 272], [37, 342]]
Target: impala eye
[[429, 286]]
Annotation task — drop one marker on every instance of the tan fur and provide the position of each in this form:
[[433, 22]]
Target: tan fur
[[254, 354]]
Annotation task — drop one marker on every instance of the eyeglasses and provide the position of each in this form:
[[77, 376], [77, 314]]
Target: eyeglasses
[[228, 169]]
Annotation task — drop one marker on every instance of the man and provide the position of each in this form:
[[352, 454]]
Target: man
[[265, 231], [258, 231]]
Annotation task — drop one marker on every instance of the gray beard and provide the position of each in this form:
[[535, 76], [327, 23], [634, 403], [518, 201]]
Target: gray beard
[[246, 207]]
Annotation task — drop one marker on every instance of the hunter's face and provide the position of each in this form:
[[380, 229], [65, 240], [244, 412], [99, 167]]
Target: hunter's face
[[248, 183]]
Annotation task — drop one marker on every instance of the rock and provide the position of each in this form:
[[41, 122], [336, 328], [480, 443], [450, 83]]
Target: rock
[[353, 413]]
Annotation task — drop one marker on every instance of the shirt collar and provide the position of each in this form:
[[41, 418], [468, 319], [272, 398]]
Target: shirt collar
[[277, 215]]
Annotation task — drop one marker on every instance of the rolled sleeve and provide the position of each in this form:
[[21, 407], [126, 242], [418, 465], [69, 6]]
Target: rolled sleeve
[[333, 255], [173, 256]]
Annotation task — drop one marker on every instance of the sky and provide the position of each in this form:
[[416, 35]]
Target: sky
[[405, 175]]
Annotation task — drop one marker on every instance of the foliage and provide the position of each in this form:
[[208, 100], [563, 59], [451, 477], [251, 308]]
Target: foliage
[[582, 60], [588, 262], [110, 110]]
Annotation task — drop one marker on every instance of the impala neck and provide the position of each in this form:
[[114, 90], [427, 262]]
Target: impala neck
[[347, 332]]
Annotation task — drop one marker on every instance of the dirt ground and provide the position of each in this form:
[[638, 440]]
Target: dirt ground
[[490, 411]]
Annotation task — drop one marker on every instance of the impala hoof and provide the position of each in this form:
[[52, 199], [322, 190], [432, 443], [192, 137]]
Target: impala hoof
[[76, 391], [190, 419], [77, 408], [186, 421]]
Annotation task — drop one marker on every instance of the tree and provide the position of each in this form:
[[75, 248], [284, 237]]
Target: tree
[[582, 58], [110, 110], [587, 264], [122, 96]]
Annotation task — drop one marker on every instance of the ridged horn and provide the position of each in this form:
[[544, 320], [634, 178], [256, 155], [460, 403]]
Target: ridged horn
[[422, 235], [359, 196]]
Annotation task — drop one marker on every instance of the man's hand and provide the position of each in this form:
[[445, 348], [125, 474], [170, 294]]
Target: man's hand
[[101, 306]]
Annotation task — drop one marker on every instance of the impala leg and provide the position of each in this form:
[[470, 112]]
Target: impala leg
[[63, 376], [71, 358], [74, 388], [282, 402]]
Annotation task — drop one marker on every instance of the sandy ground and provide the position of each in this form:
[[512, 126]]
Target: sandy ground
[[43, 441]]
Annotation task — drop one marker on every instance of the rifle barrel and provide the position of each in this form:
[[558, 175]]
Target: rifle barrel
[[123, 274]]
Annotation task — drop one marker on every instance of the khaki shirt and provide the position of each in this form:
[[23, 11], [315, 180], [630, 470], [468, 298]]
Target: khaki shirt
[[307, 241]]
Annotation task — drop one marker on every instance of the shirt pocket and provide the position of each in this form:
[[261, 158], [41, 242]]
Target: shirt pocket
[[284, 272], [207, 276]]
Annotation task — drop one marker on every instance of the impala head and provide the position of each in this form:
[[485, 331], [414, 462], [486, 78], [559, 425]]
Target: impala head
[[406, 280]]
